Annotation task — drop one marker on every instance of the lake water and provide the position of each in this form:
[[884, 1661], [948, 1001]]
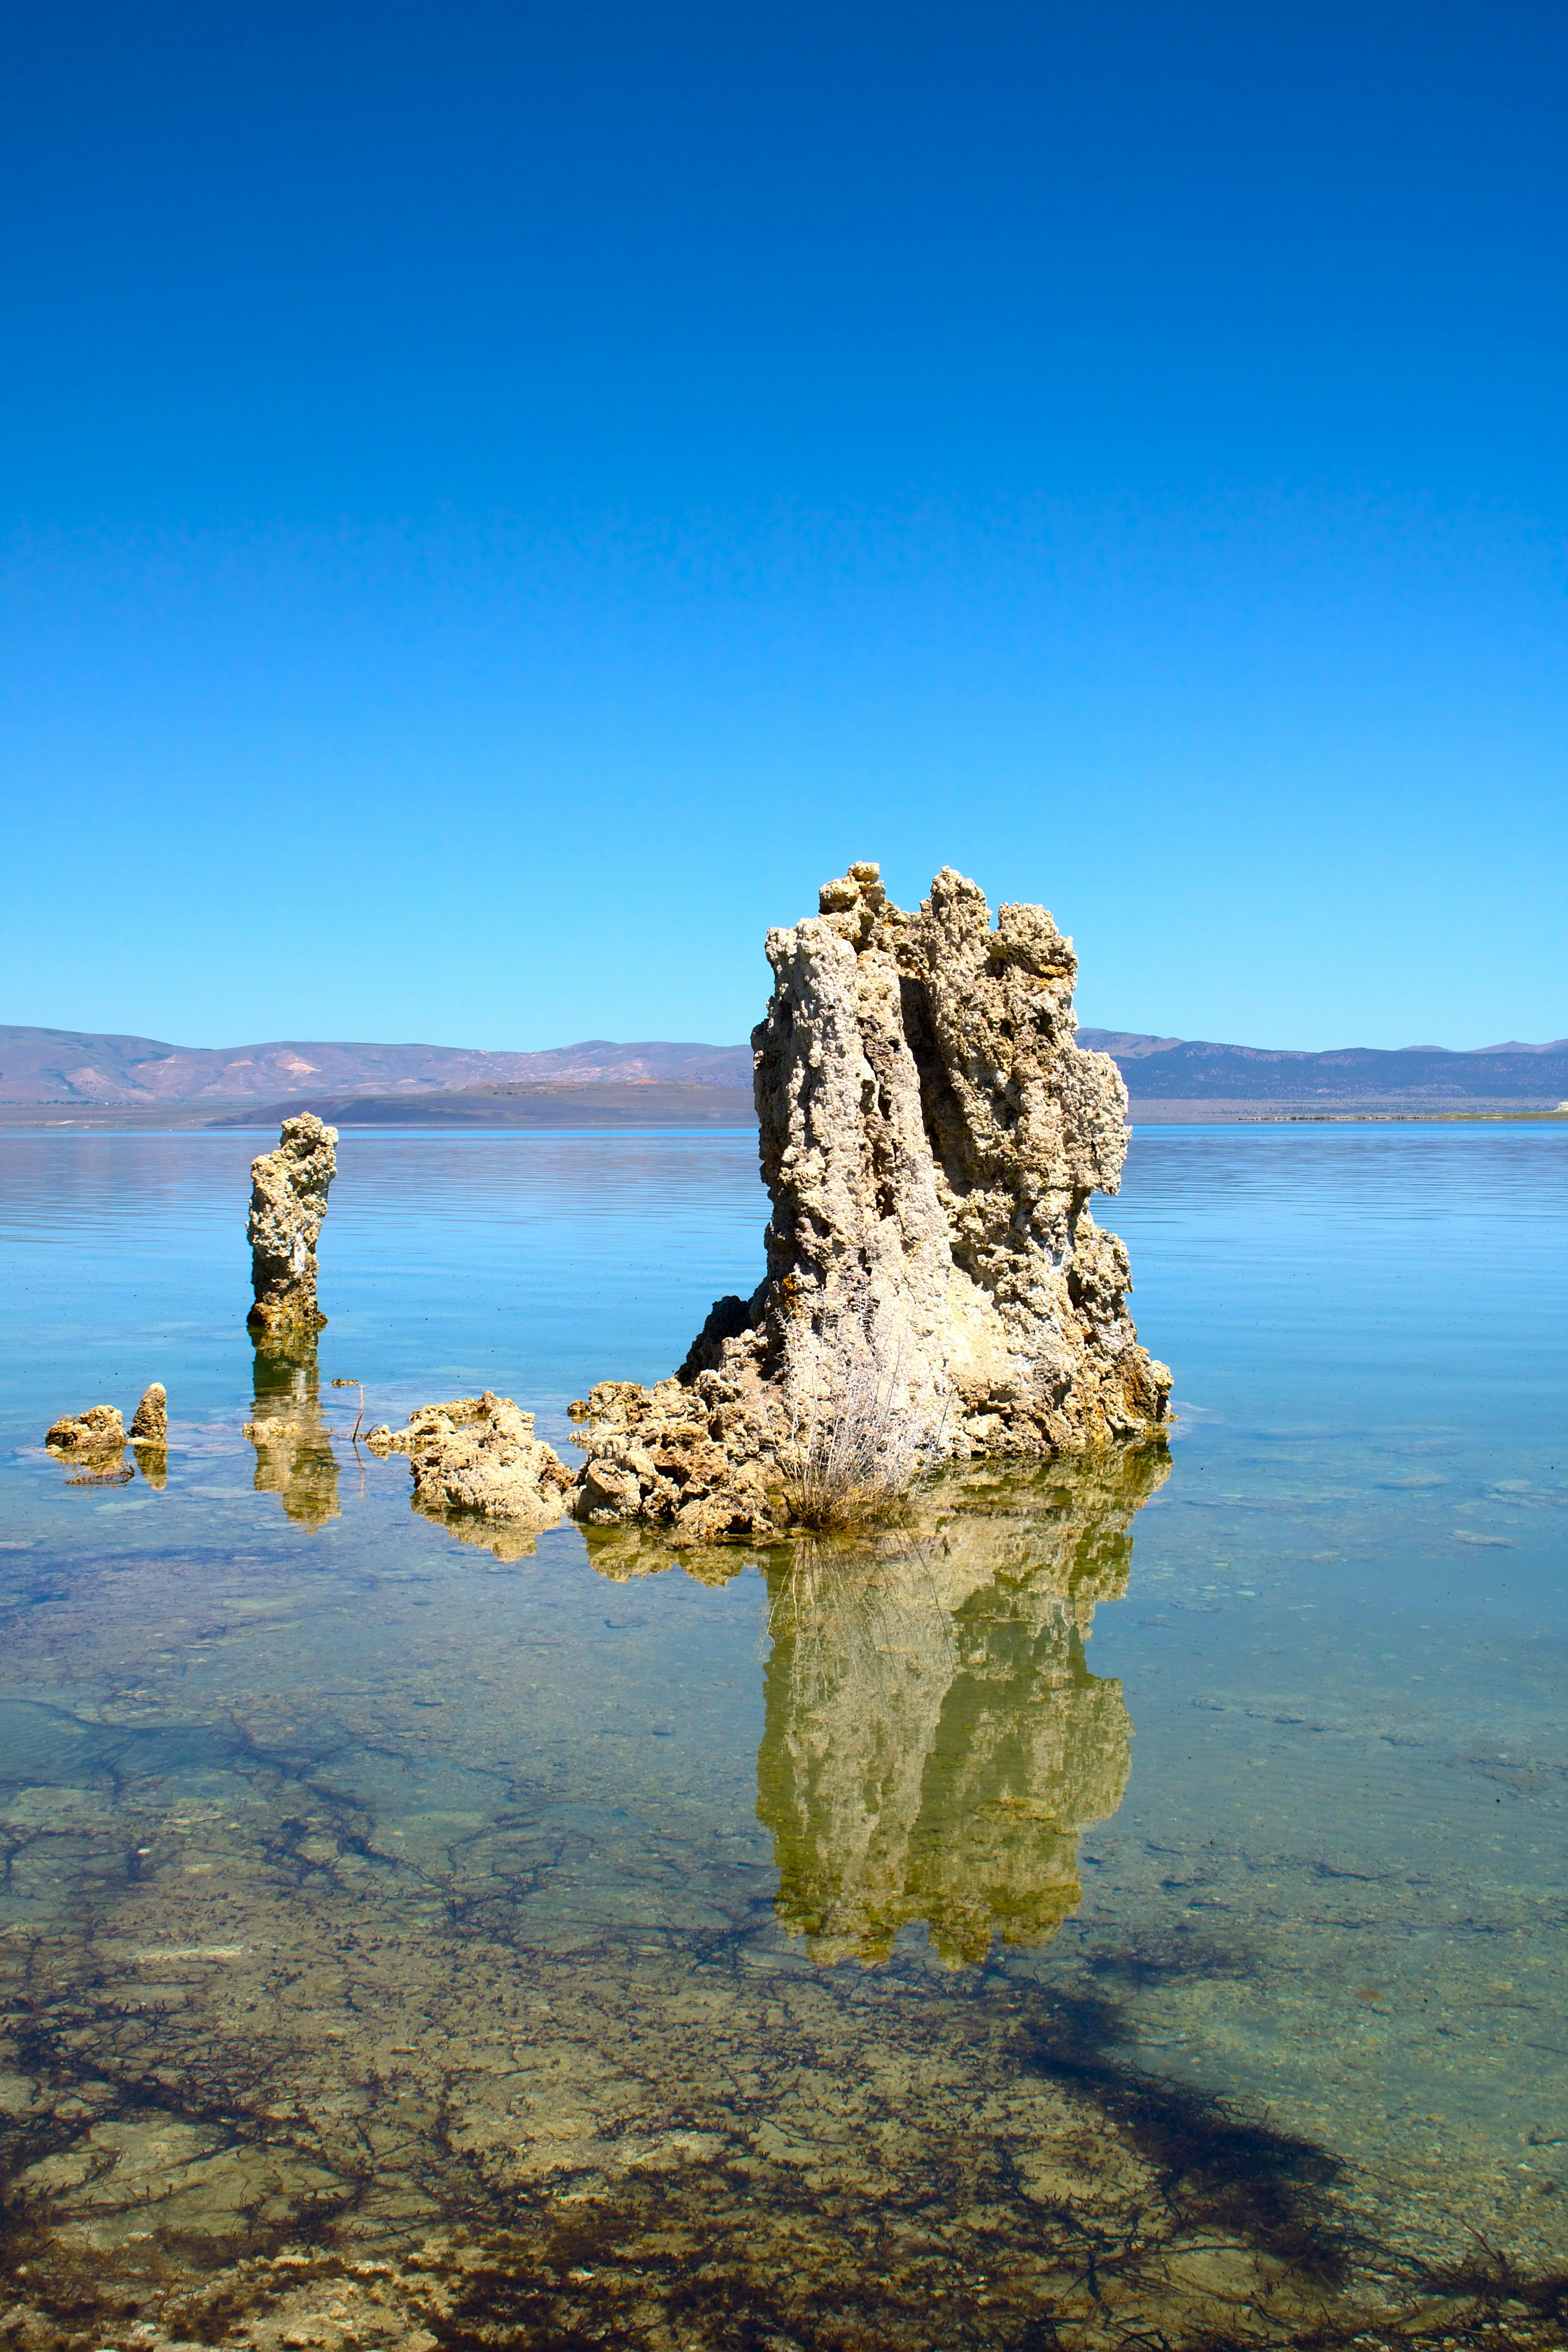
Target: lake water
[[1125, 1907]]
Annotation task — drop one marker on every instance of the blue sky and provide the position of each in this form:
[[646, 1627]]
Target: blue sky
[[499, 502]]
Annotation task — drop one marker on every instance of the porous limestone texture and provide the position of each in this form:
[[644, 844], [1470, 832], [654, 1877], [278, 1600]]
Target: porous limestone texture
[[697, 1457], [479, 1455], [149, 1421], [930, 1135], [98, 1430], [288, 1202]]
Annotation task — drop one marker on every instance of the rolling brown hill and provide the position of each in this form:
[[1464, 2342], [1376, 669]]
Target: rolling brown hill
[[1410, 1078], [75, 1066], [98, 1073]]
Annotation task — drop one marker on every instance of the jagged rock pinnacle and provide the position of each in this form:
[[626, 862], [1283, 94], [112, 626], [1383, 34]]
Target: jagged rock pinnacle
[[930, 1135], [288, 1202]]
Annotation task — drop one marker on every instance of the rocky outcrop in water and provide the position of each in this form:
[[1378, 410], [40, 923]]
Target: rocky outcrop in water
[[697, 1457], [98, 1430], [95, 1440], [478, 1457], [150, 1434], [932, 1134], [288, 1202]]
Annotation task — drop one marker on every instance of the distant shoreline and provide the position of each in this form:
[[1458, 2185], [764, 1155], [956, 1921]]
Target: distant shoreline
[[1198, 1113], [584, 1106], [1374, 1118], [588, 1108]]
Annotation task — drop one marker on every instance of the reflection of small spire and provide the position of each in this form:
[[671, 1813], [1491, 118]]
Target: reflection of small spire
[[294, 1457], [935, 1742]]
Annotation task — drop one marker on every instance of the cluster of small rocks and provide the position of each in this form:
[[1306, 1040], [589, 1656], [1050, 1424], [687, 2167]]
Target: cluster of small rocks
[[698, 1460], [480, 1454], [95, 1440], [99, 1429], [102, 1431]]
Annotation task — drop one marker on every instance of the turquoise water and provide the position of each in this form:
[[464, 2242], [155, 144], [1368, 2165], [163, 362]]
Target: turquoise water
[[1126, 1907]]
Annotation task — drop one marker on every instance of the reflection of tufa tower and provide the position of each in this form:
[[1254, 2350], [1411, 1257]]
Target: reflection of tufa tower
[[294, 1457], [934, 1741]]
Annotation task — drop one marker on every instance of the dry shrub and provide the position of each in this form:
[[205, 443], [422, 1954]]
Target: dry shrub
[[857, 1455]]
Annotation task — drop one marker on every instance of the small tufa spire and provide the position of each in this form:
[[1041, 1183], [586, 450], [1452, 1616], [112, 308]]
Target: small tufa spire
[[149, 1422]]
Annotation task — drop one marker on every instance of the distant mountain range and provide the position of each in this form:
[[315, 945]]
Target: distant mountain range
[[89, 1068], [78, 1066], [1176, 1070]]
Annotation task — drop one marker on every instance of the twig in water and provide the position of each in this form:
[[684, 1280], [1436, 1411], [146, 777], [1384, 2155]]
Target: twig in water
[[352, 1383]]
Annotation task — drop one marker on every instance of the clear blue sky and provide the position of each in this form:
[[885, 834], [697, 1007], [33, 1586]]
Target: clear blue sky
[[501, 500]]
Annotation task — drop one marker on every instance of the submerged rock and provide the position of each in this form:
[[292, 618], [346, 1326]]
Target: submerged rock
[[149, 1421], [930, 1136], [98, 1430], [288, 1202], [479, 1457]]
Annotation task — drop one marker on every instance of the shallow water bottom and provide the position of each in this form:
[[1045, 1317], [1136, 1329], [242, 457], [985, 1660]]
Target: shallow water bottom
[[394, 1951], [1124, 1908]]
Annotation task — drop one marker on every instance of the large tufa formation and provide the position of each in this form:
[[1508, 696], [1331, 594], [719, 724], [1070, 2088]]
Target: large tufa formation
[[288, 1202], [930, 1136]]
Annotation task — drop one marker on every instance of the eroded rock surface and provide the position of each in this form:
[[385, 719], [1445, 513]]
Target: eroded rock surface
[[930, 1136], [479, 1457], [288, 1202], [697, 1457]]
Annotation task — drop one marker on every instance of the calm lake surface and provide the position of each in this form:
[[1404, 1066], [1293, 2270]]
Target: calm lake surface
[[1126, 1908]]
